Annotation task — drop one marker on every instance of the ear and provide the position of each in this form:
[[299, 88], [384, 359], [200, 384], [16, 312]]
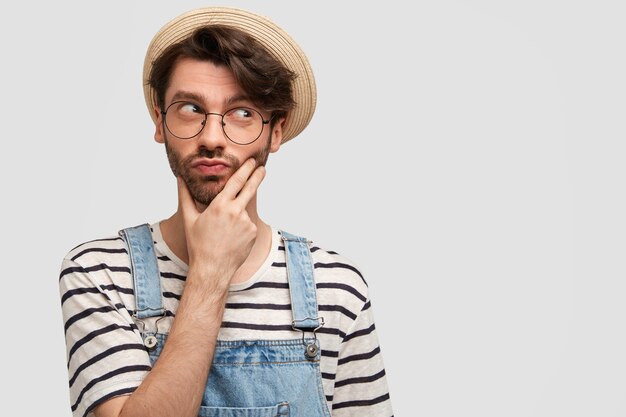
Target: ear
[[277, 135], [159, 135]]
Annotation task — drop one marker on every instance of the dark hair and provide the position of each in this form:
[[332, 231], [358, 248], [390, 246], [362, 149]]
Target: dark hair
[[265, 80]]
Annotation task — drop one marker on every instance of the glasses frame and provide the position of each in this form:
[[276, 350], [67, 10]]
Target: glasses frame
[[222, 123]]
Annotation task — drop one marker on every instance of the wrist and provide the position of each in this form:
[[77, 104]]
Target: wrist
[[208, 280]]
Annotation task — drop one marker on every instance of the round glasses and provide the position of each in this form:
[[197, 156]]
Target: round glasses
[[241, 125]]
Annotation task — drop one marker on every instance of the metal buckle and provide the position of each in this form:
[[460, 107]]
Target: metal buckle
[[311, 349], [149, 341]]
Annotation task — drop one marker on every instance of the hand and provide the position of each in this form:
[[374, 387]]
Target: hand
[[220, 238]]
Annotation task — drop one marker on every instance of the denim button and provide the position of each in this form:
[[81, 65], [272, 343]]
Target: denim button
[[311, 351], [150, 342]]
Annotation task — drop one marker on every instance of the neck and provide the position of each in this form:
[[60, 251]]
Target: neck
[[173, 233]]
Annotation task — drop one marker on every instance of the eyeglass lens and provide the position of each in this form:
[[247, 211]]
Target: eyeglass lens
[[186, 120]]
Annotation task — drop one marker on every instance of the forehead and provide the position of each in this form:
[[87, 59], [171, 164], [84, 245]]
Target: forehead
[[204, 80]]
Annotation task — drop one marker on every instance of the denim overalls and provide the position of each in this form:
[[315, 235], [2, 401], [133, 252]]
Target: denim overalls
[[248, 378]]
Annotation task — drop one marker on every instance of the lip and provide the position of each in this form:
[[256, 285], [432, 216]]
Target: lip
[[210, 166]]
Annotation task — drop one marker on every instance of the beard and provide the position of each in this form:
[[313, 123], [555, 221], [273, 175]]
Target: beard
[[204, 188]]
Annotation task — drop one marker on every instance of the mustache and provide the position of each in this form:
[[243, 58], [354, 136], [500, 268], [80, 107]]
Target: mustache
[[213, 153]]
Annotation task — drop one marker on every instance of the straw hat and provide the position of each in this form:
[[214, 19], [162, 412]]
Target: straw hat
[[275, 40]]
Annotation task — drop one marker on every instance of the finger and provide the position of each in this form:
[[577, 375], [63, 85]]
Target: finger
[[186, 203], [237, 181], [252, 185]]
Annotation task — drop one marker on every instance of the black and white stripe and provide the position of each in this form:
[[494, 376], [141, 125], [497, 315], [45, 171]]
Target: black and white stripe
[[106, 356]]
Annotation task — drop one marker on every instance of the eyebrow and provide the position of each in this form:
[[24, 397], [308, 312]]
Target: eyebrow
[[188, 95]]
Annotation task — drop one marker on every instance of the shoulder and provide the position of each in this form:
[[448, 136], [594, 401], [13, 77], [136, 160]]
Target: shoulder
[[108, 247], [98, 260], [96, 275], [94, 251], [328, 259], [331, 264], [336, 263], [339, 279]]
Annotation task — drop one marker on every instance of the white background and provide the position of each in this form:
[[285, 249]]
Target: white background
[[468, 156]]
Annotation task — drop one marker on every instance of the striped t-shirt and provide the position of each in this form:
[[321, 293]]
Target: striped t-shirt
[[106, 356]]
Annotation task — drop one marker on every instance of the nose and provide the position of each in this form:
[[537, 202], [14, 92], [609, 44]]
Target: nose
[[212, 135]]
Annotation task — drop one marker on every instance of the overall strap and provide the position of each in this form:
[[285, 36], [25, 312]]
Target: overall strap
[[301, 283], [145, 272]]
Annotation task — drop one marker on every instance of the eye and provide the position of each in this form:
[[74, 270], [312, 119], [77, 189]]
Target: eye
[[242, 116], [188, 108], [241, 113]]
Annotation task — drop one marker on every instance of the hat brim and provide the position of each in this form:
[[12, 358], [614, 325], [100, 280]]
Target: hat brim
[[272, 37]]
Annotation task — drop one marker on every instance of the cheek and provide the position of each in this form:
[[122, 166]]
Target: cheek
[[260, 148], [180, 150]]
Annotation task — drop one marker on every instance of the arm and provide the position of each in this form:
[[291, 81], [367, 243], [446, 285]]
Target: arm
[[218, 241], [361, 384], [175, 385]]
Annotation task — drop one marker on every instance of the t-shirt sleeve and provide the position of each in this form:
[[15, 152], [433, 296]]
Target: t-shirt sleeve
[[361, 384], [105, 354]]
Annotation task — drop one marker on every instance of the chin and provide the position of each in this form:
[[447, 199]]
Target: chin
[[206, 192]]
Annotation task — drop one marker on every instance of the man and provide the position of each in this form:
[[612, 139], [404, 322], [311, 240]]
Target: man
[[213, 312]]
